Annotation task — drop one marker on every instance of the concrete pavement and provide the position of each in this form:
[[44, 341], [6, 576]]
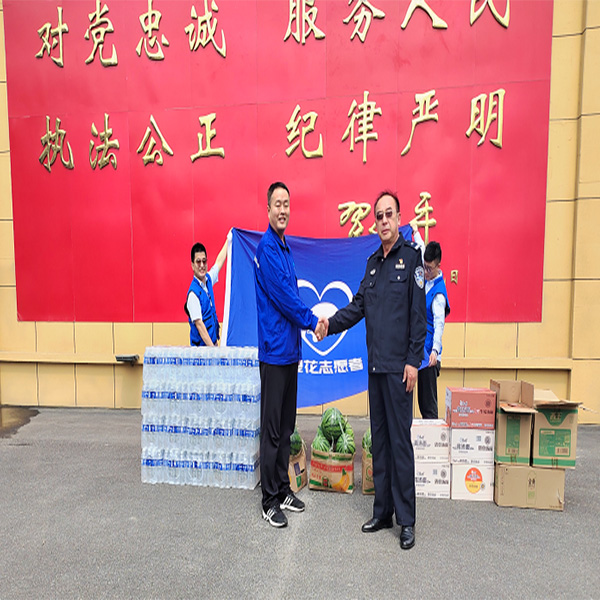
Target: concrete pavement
[[76, 522]]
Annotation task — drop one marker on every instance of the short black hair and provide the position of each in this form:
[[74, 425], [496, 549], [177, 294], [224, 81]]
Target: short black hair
[[273, 187], [433, 252], [198, 247], [387, 193]]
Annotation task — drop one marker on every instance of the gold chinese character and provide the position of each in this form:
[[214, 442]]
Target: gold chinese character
[[204, 31], [151, 154], [206, 122], [295, 137], [52, 37], [495, 113], [437, 23], [422, 212], [53, 146], [454, 276], [503, 20], [424, 107], [150, 22], [362, 13], [366, 114], [303, 14], [106, 146], [100, 25], [354, 213]]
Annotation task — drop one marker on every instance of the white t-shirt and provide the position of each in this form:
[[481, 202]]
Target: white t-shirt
[[193, 302]]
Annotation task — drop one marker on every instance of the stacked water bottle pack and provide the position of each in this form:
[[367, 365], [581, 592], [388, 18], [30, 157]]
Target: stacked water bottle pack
[[201, 416]]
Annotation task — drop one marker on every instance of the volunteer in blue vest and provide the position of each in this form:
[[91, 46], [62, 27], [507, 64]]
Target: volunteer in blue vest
[[281, 317], [438, 308], [200, 303]]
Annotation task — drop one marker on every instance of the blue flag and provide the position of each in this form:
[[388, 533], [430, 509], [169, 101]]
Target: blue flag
[[329, 271]]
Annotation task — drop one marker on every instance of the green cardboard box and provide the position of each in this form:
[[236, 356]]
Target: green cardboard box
[[514, 417], [554, 431]]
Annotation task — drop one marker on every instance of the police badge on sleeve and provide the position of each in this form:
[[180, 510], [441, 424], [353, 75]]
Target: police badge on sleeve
[[420, 277]]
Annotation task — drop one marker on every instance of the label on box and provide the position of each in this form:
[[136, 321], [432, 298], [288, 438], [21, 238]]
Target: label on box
[[513, 434], [331, 471], [474, 446], [432, 480], [555, 442], [297, 470], [431, 440], [472, 408], [472, 482]]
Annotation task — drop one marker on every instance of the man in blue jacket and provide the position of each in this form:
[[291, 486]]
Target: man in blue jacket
[[281, 317]]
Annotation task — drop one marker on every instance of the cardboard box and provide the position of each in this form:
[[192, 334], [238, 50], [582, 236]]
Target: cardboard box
[[430, 440], [514, 417], [432, 480], [555, 434], [368, 486], [513, 437], [513, 393], [470, 408], [331, 471], [472, 482], [297, 470], [472, 446], [529, 487]]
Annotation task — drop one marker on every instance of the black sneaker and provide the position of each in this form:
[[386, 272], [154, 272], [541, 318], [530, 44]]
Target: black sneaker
[[275, 516], [292, 503]]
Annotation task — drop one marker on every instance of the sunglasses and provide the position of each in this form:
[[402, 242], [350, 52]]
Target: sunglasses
[[389, 213]]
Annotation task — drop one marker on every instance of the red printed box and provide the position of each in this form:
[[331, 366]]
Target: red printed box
[[470, 408]]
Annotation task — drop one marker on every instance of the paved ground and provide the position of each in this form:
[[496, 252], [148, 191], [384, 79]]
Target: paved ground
[[76, 522]]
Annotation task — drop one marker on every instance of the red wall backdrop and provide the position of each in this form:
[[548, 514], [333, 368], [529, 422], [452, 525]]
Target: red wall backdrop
[[113, 244]]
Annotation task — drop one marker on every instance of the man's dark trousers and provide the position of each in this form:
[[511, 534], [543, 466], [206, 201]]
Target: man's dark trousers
[[391, 408], [278, 394], [427, 391]]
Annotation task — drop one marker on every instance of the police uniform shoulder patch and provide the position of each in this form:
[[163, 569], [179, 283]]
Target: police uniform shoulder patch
[[420, 276], [413, 245]]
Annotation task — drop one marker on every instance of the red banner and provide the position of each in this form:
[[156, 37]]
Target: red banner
[[140, 127]]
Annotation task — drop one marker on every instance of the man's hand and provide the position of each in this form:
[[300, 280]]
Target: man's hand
[[433, 358], [410, 376], [322, 328]]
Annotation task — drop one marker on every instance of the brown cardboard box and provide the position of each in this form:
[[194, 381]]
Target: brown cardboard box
[[470, 408], [554, 431], [331, 471], [297, 470], [514, 416], [509, 392], [367, 473], [529, 487]]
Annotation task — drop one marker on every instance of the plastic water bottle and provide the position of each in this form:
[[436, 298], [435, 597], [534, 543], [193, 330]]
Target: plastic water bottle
[[185, 475], [158, 465], [146, 464]]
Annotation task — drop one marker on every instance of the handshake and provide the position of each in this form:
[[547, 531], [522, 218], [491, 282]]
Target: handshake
[[322, 328]]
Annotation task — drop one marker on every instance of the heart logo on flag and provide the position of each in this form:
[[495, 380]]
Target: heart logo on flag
[[324, 309]]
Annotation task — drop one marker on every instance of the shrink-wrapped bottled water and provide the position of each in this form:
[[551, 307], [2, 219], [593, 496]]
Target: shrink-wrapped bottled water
[[200, 416]]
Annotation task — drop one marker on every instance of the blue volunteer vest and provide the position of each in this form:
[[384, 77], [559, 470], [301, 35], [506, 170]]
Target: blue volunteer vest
[[439, 287], [209, 313]]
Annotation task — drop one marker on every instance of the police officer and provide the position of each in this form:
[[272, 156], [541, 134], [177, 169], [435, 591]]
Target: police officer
[[391, 298]]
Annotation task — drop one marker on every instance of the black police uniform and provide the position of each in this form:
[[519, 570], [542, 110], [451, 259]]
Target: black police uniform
[[391, 298]]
